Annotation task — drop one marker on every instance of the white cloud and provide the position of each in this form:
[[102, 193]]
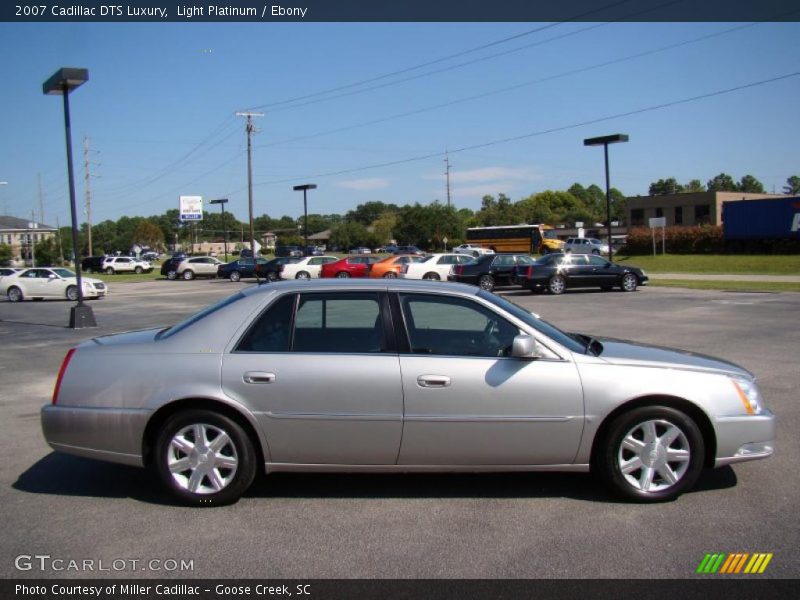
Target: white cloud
[[491, 174], [362, 185]]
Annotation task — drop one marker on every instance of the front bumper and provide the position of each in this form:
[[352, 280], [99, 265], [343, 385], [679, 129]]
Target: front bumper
[[743, 438], [111, 434]]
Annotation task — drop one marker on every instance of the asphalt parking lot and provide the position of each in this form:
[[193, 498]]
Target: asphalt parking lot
[[387, 526]]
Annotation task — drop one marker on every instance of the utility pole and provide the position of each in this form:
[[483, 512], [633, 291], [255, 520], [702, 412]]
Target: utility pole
[[32, 239], [447, 173], [250, 128], [60, 247], [88, 186], [41, 196]]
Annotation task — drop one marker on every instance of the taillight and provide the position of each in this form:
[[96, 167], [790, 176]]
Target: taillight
[[61, 371], [459, 269], [529, 271]]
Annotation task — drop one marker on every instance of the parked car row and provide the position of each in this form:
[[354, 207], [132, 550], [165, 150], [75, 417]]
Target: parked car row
[[112, 265]]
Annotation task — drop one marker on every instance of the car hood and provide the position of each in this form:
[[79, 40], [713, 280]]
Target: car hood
[[623, 352]]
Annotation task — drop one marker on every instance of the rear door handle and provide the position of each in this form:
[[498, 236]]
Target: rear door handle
[[433, 381], [258, 377]]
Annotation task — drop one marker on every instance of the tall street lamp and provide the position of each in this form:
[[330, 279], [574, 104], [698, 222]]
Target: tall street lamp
[[222, 202], [605, 141], [62, 83], [305, 188]]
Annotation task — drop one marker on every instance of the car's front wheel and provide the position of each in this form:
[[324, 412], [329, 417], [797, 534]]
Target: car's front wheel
[[651, 454], [390, 275], [14, 294], [109, 271], [629, 282], [205, 458], [72, 293], [235, 276], [188, 274], [138, 270]]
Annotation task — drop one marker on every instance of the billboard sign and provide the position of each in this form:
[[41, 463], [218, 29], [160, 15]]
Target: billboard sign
[[191, 208]]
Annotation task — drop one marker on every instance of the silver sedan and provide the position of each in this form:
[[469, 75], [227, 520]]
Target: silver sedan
[[394, 375]]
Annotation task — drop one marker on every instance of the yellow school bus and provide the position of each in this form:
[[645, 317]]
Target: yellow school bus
[[533, 239]]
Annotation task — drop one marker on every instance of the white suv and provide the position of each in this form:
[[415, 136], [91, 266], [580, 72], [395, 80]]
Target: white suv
[[125, 264], [472, 250], [585, 246], [196, 266]]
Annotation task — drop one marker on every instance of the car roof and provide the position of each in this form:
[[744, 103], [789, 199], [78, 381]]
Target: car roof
[[357, 285]]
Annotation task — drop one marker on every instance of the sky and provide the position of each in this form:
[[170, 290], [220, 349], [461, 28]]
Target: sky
[[159, 111]]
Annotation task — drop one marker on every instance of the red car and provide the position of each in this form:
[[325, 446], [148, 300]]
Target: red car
[[351, 266]]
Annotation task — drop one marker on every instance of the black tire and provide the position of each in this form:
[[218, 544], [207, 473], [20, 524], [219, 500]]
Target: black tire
[[72, 293], [188, 275], [629, 282], [235, 276], [343, 275], [109, 271], [431, 276], [596, 252], [486, 282], [610, 453], [239, 448], [390, 275], [557, 285], [138, 270], [172, 275], [272, 276], [15, 294], [303, 275]]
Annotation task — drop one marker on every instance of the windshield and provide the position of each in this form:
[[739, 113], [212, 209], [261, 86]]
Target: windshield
[[549, 234], [551, 331], [63, 272]]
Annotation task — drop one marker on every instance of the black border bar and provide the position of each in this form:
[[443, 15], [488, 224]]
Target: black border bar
[[229, 11]]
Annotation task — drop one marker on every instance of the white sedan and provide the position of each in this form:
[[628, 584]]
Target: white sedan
[[472, 250], [436, 267], [306, 268], [49, 283]]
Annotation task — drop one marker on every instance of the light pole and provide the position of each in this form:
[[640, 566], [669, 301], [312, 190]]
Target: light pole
[[605, 141], [62, 83], [222, 202], [5, 209], [305, 188]]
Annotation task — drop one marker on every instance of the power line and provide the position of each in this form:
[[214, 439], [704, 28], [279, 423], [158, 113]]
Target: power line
[[442, 59], [539, 132]]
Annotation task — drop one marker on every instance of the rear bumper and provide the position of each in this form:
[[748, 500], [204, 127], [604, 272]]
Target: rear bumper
[[110, 434]]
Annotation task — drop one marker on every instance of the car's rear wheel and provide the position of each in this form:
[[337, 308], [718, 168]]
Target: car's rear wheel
[[303, 275], [109, 271], [629, 282], [188, 274], [431, 276], [172, 275], [650, 454], [557, 284], [486, 283], [205, 458], [138, 270], [72, 293], [390, 275], [235, 276], [14, 294], [343, 275], [272, 276]]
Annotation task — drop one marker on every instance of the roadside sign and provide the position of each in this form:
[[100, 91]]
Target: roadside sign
[[658, 222], [191, 208]]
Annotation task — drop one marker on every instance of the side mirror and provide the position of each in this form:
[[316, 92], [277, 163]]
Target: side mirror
[[524, 346]]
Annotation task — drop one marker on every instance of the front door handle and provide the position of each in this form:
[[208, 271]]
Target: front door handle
[[258, 377], [433, 381]]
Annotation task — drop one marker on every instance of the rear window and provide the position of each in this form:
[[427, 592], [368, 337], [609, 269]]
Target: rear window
[[199, 316]]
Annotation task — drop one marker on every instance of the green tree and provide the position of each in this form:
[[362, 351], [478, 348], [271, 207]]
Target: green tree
[[349, 234], [722, 183], [664, 187], [695, 185], [751, 185], [369, 212], [383, 227], [148, 234], [792, 186], [46, 252], [5, 255], [427, 226]]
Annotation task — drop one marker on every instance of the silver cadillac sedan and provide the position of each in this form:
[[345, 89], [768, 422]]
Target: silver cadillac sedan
[[398, 375]]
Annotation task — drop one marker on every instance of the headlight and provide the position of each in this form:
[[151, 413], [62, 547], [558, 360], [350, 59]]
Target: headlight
[[749, 395]]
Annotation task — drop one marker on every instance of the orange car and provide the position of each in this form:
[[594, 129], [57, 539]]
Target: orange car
[[390, 266]]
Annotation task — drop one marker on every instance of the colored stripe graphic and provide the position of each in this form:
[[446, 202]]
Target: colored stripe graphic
[[723, 563]]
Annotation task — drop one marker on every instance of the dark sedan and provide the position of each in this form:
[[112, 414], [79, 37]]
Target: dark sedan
[[489, 270], [558, 272], [239, 269], [271, 269]]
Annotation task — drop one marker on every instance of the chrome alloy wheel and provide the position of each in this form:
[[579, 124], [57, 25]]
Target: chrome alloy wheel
[[629, 282], [202, 459], [654, 455]]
